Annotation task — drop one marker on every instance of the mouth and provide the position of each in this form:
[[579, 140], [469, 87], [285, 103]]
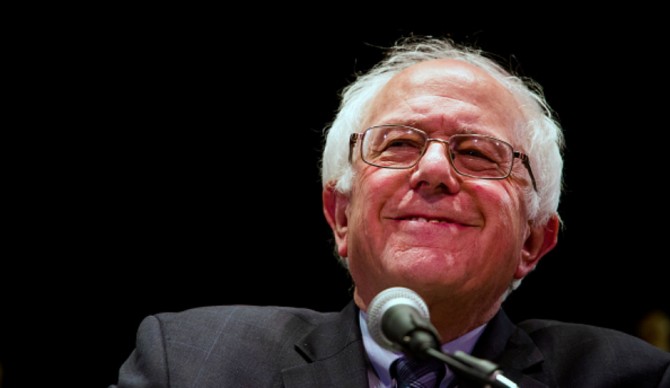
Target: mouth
[[428, 220]]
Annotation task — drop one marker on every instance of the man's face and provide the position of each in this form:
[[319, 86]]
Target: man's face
[[428, 228]]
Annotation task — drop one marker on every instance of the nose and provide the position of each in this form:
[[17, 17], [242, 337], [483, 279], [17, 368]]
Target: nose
[[434, 170]]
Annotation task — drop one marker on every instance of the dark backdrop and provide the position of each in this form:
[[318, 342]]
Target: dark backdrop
[[180, 170]]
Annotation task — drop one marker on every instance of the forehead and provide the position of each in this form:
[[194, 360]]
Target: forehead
[[441, 94]]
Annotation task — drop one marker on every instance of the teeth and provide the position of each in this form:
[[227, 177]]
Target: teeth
[[421, 219]]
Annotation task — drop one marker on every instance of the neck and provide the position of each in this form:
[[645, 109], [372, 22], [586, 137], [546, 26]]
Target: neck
[[455, 314], [452, 321]]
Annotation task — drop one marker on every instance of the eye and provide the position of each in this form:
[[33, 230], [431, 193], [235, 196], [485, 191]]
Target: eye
[[402, 143], [474, 153], [479, 149]]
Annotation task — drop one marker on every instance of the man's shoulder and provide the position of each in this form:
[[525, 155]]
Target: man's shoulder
[[576, 354], [578, 337], [259, 316], [233, 327], [549, 327]]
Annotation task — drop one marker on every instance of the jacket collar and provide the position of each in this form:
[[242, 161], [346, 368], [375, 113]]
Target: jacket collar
[[514, 351], [335, 353]]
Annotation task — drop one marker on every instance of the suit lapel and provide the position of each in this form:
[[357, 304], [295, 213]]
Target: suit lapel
[[514, 351], [335, 353]]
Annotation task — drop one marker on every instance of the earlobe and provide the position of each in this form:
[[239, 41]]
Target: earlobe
[[539, 242], [335, 206]]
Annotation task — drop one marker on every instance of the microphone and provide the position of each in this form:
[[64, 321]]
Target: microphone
[[398, 320]]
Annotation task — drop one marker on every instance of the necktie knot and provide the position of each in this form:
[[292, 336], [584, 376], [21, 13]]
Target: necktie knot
[[416, 373]]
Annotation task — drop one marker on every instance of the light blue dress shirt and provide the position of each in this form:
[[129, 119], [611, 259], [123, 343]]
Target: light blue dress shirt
[[381, 359]]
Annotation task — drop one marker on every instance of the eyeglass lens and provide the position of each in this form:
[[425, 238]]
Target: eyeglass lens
[[402, 147]]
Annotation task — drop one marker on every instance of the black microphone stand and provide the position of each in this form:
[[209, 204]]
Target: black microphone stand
[[473, 369], [422, 343]]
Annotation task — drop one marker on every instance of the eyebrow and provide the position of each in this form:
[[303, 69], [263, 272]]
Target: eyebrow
[[460, 129]]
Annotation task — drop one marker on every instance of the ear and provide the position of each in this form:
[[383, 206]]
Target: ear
[[540, 240], [335, 205]]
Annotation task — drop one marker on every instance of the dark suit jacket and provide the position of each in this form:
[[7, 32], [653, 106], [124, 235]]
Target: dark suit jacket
[[248, 346]]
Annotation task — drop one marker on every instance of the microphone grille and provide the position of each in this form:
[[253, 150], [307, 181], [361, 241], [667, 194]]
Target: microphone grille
[[382, 302]]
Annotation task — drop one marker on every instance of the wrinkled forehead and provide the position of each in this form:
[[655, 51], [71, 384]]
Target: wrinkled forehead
[[437, 89]]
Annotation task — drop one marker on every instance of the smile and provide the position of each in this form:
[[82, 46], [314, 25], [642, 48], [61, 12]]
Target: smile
[[430, 220]]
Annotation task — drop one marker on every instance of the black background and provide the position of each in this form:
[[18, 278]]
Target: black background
[[177, 166]]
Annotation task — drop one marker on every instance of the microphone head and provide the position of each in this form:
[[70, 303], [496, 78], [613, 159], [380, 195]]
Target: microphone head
[[385, 300]]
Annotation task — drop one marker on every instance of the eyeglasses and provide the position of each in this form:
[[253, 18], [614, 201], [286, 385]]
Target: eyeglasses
[[400, 147]]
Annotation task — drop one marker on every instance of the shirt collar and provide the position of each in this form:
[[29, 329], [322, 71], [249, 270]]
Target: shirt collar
[[381, 358]]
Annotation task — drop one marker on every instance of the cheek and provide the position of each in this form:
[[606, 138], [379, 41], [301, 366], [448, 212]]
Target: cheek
[[374, 187], [505, 219], [501, 202]]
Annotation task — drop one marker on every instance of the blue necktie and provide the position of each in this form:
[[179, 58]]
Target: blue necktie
[[414, 373]]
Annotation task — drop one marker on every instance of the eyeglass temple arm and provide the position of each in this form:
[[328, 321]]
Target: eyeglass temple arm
[[526, 163], [352, 140]]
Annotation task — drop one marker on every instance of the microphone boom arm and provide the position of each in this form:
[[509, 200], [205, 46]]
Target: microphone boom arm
[[474, 369]]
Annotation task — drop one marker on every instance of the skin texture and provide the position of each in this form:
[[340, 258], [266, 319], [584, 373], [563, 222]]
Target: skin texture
[[457, 241]]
